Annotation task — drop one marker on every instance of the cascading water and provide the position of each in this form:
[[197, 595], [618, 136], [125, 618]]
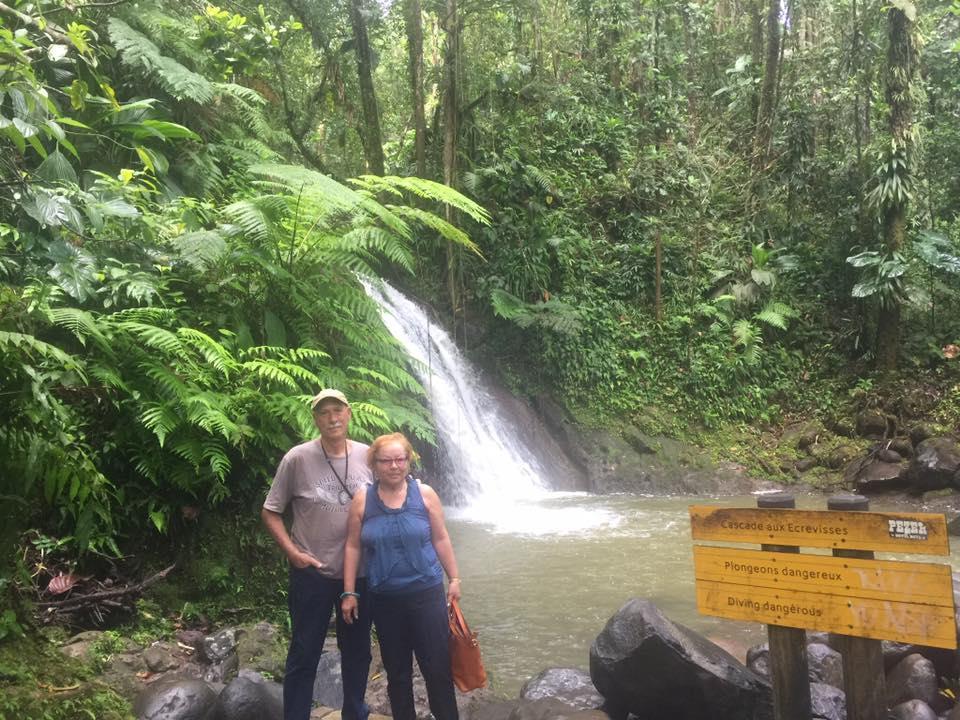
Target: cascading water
[[497, 479]]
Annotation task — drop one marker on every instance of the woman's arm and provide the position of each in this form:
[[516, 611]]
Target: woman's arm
[[351, 557], [441, 540]]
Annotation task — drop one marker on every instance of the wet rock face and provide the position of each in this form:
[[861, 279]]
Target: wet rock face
[[569, 685], [913, 678], [642, 662], [935, 465], [175, 700], [827, 702], [249, 697]]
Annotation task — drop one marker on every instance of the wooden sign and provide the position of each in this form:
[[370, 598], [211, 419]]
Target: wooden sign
[[930, 625], [924, 533], [910, 582]]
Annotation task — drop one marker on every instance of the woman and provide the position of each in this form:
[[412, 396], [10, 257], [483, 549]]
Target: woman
[[398, 523]]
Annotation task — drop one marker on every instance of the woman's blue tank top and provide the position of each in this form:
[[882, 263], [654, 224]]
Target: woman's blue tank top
[[397, 544]]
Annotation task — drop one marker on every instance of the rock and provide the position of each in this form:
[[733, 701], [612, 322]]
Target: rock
[[175, 700], [935, 464], [642, 662], [158, 658], [500, 710], [805, 464], [328, 687], [912, 710], [902, 446], [872, 475], [919, 433], [261, 648], [223, 671], [78, 647], [546, 708], [193, 639], [872, 424], [913, 678], [827, 702], [953, 528], [825, 665], [249, 697], [840, 456], [758, 660], [889, 456], [944, 661], [121, 671], [569, 685], [217, 647]]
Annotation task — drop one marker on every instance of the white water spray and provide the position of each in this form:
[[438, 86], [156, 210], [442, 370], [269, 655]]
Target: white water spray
[[498, 479]]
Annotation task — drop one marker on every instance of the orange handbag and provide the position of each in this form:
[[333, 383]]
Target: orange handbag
[[465, 661]]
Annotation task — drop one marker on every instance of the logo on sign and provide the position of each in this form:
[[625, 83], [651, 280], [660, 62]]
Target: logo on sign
[[907, 529]]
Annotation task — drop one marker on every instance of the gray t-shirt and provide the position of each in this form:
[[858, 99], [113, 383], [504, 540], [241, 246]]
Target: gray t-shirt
[[320, 505]]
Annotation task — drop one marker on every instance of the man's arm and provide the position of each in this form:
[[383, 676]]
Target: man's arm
[[273, 521]]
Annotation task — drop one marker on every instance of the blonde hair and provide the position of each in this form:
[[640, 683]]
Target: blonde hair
[[396, 437]]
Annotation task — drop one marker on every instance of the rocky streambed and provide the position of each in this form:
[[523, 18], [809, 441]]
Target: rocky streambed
[[641, 665]]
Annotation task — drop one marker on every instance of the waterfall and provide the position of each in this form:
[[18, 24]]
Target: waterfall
[[488, 464]]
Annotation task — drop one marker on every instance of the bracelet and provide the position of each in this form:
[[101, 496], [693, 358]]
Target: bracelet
[[453, 580], [349, 594]]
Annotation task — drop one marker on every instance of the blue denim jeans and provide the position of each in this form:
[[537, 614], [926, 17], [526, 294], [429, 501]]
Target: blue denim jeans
[[416, 624], [311, 598]]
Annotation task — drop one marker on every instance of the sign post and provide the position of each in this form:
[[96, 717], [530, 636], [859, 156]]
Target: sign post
[[788, 645], [858, 599]]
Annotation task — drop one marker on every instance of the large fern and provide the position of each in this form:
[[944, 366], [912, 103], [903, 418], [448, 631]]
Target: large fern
[[139, 52]]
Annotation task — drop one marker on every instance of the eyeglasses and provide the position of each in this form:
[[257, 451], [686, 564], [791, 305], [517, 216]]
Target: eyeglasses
[[390, 462]]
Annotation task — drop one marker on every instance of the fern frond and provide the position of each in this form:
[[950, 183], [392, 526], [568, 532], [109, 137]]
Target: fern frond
[[200, 249], [257, 217], [213, 352], [31, 344], [160, 419], [378, 240], [269, 371], [81, 323], [155, 337], [427, 190], [139, 52], [438, 225]]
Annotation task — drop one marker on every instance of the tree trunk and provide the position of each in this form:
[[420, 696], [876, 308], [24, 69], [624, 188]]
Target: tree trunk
[[414, 24], [901, 66], [764, 129], [451, 96], [756, 51], [370, 133]]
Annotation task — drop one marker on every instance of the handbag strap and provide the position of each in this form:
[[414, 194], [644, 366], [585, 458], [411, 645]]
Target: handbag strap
[[457, 623]]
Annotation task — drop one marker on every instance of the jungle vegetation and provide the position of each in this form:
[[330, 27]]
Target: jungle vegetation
[[731, 209]]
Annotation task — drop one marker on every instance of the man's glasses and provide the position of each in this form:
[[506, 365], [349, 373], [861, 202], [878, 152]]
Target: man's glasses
[[390, 462]]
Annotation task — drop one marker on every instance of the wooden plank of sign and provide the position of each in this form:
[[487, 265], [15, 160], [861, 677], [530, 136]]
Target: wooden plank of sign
[[910, 582], [929, 625], [924, 533]]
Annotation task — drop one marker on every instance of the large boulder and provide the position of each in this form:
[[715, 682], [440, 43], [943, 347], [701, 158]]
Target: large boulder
[[913, 678], [935, 465], [175, 700], [328, 685], [824, 665], [249, 697], [827, 702], [572, 686], [642, 663], [912, 710]]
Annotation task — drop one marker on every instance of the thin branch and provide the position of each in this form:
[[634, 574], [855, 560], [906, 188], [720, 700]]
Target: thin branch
[[54, 31], [77, 601], [84, 6]]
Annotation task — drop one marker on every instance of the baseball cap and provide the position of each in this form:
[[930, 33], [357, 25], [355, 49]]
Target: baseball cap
[[327, 394]]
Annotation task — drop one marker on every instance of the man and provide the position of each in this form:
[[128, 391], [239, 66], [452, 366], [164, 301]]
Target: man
[[317, 480]]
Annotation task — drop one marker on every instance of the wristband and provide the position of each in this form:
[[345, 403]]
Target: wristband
[[453, 580], [349, 594]]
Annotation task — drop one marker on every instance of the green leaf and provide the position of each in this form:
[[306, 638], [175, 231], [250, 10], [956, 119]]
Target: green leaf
[[56, 168]]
